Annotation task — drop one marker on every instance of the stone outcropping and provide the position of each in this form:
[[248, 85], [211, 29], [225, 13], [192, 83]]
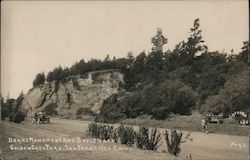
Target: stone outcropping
[[65, 99]]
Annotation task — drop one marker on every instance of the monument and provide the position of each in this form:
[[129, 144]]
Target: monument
[[158, 41]]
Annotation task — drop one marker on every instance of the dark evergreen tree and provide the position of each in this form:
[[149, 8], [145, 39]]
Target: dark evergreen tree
[[40, 79], [244, 54]]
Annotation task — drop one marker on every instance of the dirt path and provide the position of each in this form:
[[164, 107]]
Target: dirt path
[[203, 146]]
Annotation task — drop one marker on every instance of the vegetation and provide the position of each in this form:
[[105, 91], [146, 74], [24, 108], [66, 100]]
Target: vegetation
[[186, 79], [174, 141], [144, 138], [126, 135], [4, 109], [103, 131], [11, 109], [40, 79], [147, 140], [85, 111], [76, 84], [93, 130], [51, 109], [18, 117]]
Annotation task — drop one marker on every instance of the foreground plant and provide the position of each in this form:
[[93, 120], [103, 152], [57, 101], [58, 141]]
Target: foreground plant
[[102, 131], [174, 141], [93, 130], [126, 135], [145, 140]]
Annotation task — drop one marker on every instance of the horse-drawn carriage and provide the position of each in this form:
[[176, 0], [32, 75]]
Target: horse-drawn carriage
[[40, 117]]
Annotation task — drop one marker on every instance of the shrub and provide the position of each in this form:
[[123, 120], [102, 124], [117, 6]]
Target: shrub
[[104, 132], [85, 111], [19, 117], [57, 85], [107, 132], [153, 142], [93, 130], [11, 117], [144, 140], [126, 135], [160, 113], [111, 117], [40, 79], [51, 109], [141, 137], [174, 141], [76, 84]]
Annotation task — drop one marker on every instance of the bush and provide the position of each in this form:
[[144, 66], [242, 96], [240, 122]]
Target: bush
[[126, 135], [108, 132], [104, 132], [144, 140], [4, 112], [154, 140], [160, 113], [76, 84], [93, 130], [173, 142], [85, 111], [111, 117], [51, 109], [57, 85], [39, 79], [19, 117]]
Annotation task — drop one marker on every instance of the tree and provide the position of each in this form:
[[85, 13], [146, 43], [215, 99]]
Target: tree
[[244, 54], [154, 64], [81, 67], [40, 79], [168, 96], [107, 62], [20, 99], [234, 96], [57, 74], [11, 107], [96, 64], [4, 110], [194, 46], [139, 63]]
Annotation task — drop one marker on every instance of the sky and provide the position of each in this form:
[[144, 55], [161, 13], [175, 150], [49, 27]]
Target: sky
[[37, 36]]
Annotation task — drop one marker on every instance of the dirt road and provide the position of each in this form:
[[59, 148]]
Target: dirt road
[[203, 146]]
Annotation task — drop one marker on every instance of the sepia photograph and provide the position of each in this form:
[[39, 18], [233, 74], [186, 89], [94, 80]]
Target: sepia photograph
[[125, 80]]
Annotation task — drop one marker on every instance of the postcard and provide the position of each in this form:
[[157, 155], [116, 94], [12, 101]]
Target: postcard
[[124, 80]]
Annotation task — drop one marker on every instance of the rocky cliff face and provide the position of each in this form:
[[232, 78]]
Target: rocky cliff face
[[77, 93]]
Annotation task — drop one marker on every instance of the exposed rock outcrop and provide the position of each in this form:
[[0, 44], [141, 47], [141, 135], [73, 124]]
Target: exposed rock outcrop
[[65, 99]]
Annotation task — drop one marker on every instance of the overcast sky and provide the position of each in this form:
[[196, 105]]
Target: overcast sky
[[39, 36]]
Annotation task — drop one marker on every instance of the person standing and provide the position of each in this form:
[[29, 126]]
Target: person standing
[[204, 125]]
